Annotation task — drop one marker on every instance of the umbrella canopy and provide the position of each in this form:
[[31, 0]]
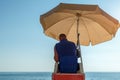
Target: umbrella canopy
[[92, 23]]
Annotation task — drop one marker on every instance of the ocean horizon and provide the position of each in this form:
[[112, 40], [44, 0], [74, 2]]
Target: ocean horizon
[[47, 75]]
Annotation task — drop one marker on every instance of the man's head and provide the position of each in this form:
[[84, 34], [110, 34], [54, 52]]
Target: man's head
[[62, 36]]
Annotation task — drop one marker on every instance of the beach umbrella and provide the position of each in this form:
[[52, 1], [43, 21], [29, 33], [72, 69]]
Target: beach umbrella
[[89, 21], [82, 24]]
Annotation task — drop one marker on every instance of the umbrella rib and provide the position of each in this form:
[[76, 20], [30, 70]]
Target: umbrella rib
[[97, 22], [86, 29], [59, 21], [71, 27]]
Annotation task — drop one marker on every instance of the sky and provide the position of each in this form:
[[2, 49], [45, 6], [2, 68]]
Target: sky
[[25, 48]]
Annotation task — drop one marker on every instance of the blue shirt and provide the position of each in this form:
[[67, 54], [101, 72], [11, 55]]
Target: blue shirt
[[67, 56]]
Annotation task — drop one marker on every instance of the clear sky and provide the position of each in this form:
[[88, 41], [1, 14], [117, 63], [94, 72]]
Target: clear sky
[[24, 46]]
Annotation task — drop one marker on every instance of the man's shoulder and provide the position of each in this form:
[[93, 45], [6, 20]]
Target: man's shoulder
[[57, 43], [71, 42]]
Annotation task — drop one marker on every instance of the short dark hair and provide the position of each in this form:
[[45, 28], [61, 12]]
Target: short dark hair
[[62, 35]]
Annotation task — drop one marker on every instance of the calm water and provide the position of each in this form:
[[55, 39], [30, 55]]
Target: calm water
[[47, 76]]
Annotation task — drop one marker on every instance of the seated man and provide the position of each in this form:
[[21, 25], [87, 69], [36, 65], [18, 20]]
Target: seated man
[[65, 54]]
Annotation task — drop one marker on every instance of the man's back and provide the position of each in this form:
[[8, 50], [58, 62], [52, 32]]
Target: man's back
[[65, 48], [67, 56]]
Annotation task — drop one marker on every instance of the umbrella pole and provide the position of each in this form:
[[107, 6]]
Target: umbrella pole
[[78, 44]]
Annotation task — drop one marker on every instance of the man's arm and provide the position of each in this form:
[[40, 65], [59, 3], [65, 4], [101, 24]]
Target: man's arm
[[55, 55]]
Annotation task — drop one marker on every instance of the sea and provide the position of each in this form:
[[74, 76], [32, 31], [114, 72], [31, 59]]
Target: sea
[[47, 75]]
